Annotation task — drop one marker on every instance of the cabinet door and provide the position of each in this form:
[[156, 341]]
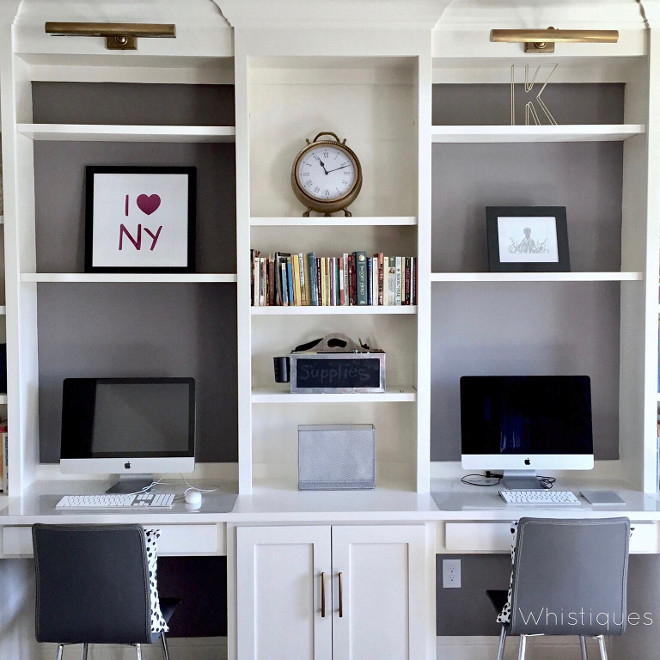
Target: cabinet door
[[279, 593], [382, 599]]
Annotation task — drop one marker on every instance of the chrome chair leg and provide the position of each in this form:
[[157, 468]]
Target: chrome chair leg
[[523, 647], [60, 651], [583, 647], [166, 652], [601, 647], [500, 648], [85, 649], [138, 651]]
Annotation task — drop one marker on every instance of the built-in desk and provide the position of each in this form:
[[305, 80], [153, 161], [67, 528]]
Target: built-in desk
[[389, 524]]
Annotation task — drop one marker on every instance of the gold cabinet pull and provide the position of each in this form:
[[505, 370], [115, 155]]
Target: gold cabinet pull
[[322, 594], [341, 596]]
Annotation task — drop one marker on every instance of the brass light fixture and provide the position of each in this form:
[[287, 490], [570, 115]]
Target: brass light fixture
[[118, 36], [543, 41]]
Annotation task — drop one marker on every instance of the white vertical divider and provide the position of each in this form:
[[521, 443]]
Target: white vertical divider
[[21, 298], [424, 178], [647, 459], [244, 329]]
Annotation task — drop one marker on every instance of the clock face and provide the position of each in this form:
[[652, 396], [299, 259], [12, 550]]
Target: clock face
[[326, 172]]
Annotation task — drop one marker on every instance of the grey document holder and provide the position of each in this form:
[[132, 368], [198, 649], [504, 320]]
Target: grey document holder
[[336, 457]]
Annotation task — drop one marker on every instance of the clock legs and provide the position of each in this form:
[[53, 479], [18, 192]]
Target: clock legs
[[347, 213]]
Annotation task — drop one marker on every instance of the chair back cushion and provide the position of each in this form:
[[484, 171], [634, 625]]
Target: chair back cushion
[[570, 577], [92, 584]]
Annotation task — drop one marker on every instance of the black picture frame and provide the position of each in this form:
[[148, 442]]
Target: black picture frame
[[115, 211], [537, 239]]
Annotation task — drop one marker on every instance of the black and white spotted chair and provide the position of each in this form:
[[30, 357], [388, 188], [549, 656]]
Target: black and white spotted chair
[[96, 584], [568, 577]]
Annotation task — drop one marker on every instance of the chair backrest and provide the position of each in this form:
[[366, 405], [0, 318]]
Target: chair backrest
[[570, 577], [92, 584]]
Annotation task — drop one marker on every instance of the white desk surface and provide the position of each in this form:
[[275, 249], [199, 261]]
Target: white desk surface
[[451, 500]]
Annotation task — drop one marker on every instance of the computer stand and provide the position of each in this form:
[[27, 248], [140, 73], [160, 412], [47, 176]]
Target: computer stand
[[131, 484], [520, 480]]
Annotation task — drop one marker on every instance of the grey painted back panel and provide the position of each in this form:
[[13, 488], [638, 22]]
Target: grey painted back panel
[[584, 177], [135, 330], [533, 328], [132, 103], [592, 103], [60, 197]]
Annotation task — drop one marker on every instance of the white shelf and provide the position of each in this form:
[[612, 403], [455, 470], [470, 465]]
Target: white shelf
[[613, 276], [3, 310], [568, 133], [129, 277], [3, 399], [339, 221], [272, 395], [276, 310], [2, 219], [118, 133]]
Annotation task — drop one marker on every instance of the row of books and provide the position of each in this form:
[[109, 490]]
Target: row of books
[[353, 278]]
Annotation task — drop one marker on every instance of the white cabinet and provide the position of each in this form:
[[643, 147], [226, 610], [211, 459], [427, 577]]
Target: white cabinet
[[342, 592]]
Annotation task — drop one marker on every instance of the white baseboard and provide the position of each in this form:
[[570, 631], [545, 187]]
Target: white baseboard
[[538, 648], [193, 648]]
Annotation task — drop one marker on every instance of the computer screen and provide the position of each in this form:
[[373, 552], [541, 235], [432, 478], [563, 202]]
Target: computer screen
[[526, 423], [128, 425]]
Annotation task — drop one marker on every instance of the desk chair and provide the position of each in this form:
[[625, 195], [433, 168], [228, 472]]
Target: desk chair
[[93, 587], [569, 577]]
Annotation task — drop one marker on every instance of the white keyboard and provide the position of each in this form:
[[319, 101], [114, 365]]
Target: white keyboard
[[540, 496], [116, 501]]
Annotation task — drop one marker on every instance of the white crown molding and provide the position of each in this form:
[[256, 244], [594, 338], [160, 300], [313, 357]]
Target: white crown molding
[[201, 29], [341, 14]]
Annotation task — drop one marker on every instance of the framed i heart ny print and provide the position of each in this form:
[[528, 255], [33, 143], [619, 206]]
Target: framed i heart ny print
[[140, 219]]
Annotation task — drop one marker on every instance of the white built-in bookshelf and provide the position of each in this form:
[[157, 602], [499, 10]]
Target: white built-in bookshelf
[[378, 94]]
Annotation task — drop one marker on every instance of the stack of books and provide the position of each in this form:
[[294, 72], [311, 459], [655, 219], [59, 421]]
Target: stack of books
[[353, 278]]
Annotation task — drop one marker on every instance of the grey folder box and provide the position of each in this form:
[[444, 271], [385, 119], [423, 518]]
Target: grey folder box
[[336, 457]]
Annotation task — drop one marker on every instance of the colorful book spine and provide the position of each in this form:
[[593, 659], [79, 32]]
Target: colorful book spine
[[342, 281], [352, 297], [398, 285], [289, 281], [381, 278], [391, 281], [406, 282], [311, 265], [285, 288], [319, 288], [361, 277], [370, 279]]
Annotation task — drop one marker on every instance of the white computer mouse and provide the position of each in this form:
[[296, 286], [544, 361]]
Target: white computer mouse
[[193, 497]]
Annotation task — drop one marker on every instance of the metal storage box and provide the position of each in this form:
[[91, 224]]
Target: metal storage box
[[336, 457]]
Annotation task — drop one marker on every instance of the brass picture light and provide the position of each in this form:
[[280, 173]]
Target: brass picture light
[[118, 36], [543, 41]]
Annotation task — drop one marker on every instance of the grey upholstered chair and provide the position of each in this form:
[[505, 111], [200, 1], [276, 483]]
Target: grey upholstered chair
[[569, 577], [93, 587]]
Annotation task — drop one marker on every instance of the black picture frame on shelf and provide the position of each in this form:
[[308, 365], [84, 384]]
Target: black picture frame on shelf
[[527, 239], [140, 219]]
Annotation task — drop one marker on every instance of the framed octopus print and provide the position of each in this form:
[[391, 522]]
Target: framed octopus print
[[527, 239]]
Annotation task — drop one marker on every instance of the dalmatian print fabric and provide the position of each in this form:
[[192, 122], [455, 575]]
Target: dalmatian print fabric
[[158, 623], [504, 616]]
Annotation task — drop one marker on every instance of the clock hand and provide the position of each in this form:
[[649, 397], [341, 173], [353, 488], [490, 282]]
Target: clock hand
[[343, 167], [323, 166]]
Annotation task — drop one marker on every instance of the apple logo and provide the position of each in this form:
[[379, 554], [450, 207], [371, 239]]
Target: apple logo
[[127, 465], [527, 461]]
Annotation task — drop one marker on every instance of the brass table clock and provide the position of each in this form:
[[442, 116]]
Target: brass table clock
[[326, 176]]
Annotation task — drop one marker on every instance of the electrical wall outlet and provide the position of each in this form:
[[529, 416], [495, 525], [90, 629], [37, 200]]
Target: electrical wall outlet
[[451, 573]]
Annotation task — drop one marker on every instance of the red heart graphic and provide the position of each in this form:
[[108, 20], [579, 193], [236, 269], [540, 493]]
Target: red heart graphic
[[148, 203]]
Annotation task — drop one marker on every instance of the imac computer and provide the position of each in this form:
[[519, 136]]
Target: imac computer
[[133, 427], [520, 424]]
